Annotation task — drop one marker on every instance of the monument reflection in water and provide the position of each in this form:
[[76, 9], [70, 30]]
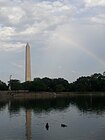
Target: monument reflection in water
[[28, 125]]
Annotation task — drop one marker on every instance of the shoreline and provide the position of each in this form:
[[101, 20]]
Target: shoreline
[[45, 95]]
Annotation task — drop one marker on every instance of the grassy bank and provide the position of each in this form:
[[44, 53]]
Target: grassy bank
[[45, 95]]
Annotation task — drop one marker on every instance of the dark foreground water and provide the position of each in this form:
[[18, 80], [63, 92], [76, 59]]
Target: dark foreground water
[[26, 119]]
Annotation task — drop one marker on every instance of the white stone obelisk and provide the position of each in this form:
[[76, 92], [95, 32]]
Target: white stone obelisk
[[28, 64]]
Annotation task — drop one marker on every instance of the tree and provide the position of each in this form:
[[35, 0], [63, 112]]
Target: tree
[[39, 85], [95, 82], [48, 82], [3, 86], [14, 84], [60, 88]]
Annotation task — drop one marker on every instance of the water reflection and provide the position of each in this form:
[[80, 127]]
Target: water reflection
[[39, 106], [3, 104], [28, 125], [84, 104], [90, 104]]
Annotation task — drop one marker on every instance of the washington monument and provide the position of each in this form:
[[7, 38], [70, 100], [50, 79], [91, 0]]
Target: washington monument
[[27, 64]]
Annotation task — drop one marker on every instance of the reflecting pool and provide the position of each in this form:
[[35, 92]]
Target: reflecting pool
[[84, 118]]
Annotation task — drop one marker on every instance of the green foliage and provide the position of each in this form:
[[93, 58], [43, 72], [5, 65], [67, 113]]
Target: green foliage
[[60, 88], [26, 85], [95, 82], [39, 85], [14, 84], [46, 84], [60, 84], [3, 86]]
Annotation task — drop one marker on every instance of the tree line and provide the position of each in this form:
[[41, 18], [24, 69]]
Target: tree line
[[95, 82]]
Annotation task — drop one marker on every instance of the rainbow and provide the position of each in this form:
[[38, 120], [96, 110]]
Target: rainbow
[[72, 43]]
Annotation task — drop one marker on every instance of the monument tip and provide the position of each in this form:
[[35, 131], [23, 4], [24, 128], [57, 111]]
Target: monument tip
[[27, 45]]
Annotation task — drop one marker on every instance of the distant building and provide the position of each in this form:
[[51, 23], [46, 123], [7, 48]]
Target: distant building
[[27, 64]]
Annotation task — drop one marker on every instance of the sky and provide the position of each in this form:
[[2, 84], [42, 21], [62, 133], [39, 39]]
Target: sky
[[67, 38]]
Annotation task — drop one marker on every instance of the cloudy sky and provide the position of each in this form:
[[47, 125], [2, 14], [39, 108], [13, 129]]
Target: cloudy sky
[[67, 37]]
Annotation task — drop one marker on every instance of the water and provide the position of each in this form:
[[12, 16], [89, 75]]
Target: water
[[26, 119]]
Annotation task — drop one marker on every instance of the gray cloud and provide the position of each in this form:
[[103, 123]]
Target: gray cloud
[[66, 36], [92, 3]]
